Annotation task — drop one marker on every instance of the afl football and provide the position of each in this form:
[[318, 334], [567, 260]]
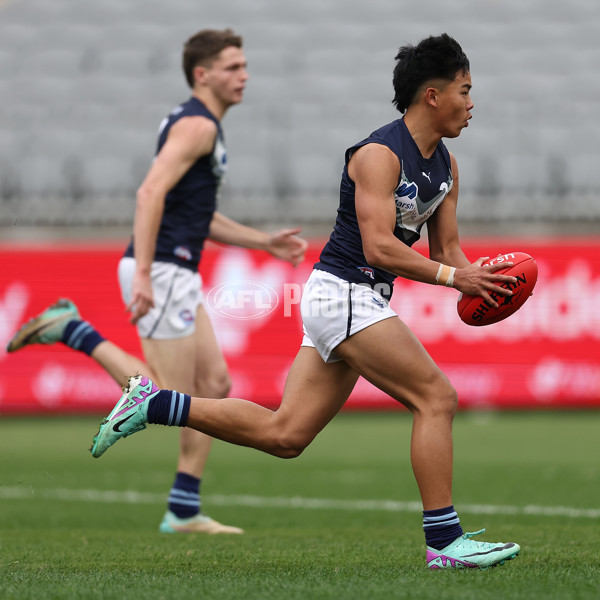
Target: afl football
[[474, 310]]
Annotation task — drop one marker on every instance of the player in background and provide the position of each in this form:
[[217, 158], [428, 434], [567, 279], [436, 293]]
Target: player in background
[[394, 181], [160, 284]]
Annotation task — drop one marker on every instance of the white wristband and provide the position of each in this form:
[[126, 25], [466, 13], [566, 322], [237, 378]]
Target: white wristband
[[450, 282], [445, 275]]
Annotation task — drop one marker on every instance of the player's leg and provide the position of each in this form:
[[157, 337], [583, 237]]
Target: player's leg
[[62, 323], [202, 355], [313, 394], [390, 356], [169, 337], [120, 365], [210, 380]]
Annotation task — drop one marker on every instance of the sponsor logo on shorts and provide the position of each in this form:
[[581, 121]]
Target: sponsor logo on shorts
[[379, 301], [187, 316]]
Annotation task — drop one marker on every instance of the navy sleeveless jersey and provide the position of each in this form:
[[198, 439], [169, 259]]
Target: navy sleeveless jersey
[[190, 205], [422, 186]]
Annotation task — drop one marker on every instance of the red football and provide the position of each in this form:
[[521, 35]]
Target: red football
[[474, 310]]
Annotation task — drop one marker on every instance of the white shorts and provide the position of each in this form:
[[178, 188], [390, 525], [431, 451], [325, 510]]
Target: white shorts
[[177, 294], [333, 309]]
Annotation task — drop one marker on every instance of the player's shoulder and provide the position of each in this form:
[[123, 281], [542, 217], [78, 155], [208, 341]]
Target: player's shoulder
[[394, 136], [374, 161], [391, 130], [450, 161], [373, 150], [193, 136], [378, 141], [195, 127], [197, 123], [194, 115]]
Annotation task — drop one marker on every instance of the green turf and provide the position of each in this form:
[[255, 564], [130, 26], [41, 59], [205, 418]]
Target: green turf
[[58, 540]]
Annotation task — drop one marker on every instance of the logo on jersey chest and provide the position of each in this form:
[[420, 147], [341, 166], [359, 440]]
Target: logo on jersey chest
[[411, 209], [406, 193]]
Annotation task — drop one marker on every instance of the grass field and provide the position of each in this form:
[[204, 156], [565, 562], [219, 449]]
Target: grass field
[[342, 521]]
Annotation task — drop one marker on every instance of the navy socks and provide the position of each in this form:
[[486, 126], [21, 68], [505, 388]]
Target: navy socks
[[441, 526], [184, 498], [80, 335], [168, 407]]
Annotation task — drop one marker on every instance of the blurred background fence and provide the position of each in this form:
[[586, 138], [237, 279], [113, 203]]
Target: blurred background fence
[[84, 85]]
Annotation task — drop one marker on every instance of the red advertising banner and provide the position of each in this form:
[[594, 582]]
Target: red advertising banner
[[547, 355]]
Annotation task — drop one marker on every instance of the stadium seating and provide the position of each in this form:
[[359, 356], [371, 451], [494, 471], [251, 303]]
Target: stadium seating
[[85, 85]]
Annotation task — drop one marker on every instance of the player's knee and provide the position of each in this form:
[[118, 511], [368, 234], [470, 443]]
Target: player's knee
[[438, 400], [215, 385], [223, 386], [444, 401]]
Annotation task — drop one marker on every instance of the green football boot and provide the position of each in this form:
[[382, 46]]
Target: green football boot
[[129, 415], [47, 328], [465, 553]]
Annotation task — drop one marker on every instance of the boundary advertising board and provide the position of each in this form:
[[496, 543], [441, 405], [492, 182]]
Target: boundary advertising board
[[547, 355]]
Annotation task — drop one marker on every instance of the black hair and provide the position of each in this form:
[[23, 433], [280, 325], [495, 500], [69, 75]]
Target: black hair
[[435, 57]]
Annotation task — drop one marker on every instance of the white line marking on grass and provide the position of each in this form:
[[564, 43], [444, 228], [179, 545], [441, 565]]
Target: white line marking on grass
[[132, 497]]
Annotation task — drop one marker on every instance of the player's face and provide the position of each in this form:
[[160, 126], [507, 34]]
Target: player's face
[[455, 105], [227, 76]]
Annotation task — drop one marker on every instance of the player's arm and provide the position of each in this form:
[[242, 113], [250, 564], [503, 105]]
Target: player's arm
[[444, 247], [284, 244], [188, 140], [375, 170]]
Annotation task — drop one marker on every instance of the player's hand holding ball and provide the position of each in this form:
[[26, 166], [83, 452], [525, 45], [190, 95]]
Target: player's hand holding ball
[[493, 289]]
